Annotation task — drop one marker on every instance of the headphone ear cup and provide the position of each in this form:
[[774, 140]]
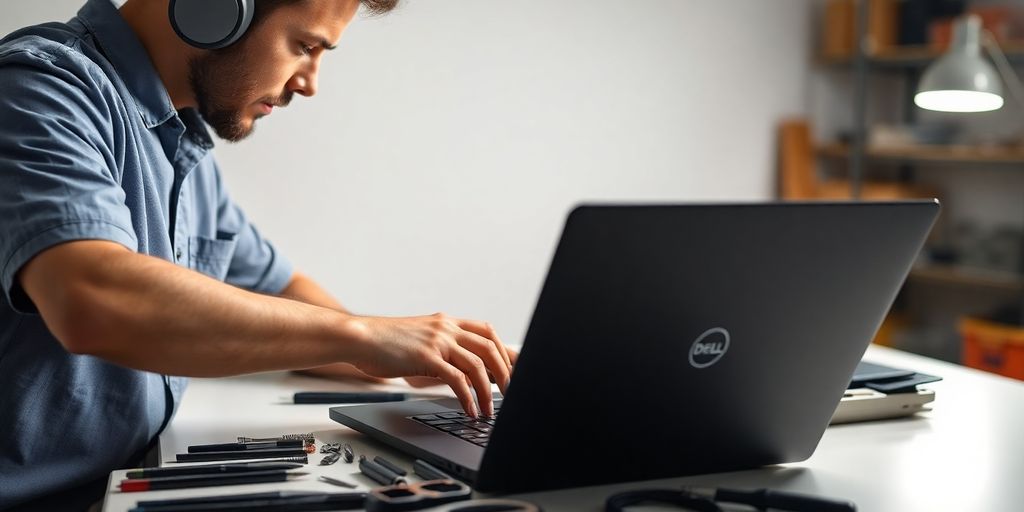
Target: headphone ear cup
[[210, 24]]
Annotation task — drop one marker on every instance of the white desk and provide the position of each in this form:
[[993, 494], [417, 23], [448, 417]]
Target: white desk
[[966, 454]]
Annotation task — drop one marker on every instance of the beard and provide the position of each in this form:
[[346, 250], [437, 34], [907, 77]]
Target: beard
[[224, 84]]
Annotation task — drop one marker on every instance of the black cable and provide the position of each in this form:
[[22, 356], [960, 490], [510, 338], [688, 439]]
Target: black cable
[[618, 502]]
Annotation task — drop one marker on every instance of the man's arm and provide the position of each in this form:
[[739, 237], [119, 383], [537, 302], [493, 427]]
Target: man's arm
[[304, 289], [102, 299]]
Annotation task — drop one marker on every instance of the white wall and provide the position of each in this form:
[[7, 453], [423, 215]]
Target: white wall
[[449, 139]]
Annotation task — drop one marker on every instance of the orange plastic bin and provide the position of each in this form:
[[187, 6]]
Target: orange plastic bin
[[993, 347]]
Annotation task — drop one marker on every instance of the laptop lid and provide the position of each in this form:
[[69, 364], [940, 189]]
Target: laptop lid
[[683, 339]]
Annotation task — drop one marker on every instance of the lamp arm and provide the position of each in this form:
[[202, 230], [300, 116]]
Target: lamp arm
[[1009, 75]]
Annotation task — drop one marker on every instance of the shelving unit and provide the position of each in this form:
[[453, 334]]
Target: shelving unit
[[949, 154], [909, 61], [971, 290], [902, 58], [955, 275]]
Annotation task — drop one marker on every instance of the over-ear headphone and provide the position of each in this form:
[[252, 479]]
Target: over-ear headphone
[[210, 24]]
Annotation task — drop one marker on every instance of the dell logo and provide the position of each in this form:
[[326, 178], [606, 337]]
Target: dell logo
[[709, 347]]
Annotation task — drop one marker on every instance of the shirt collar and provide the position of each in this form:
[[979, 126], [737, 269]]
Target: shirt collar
[[126, 53]]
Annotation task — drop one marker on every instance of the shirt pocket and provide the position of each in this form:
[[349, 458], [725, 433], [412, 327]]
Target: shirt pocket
[[212, 256]]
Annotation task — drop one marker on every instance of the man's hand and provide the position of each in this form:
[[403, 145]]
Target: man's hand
[[459, 352], [426, 382], [427, 351]]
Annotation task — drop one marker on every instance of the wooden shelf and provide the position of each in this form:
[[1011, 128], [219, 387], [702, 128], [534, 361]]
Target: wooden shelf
[[916, 56], [966, 276], [934, 154]]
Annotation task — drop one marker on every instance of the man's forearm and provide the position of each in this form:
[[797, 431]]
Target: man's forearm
[[150, 314], [304, 289], [101, 299]]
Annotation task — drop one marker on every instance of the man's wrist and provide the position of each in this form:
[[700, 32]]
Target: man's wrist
[[351, 336]]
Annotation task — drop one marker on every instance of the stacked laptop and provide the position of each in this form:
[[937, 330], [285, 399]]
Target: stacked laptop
[[879, 392]]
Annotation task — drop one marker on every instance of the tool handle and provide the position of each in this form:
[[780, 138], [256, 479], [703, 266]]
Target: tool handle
[[326, 397], [767, 499]]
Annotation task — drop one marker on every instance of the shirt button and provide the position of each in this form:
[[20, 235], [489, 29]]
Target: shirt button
[[177, 254]]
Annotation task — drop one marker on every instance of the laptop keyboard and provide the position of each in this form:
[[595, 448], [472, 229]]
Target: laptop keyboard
[[456, 423]]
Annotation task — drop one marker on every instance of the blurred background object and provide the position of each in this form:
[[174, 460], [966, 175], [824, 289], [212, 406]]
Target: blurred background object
[[867, 129], [801, 180], [839, 34]]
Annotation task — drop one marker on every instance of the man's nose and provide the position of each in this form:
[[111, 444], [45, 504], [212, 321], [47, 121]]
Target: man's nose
[[304, 83]]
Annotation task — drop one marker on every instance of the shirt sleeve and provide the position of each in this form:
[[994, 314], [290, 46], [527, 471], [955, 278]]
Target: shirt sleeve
[[256, 264], [59, 177]]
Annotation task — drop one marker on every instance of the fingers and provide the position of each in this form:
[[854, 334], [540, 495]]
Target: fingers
[[456, 380], [487, 331], [423, 382], [485, 334], [491, 356], [459, 352], [474, 368]]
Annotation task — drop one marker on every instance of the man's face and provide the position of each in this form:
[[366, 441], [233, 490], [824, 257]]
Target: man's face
[[276, 59]]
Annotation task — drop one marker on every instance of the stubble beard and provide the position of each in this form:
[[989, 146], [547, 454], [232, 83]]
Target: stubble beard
[[222, 85]]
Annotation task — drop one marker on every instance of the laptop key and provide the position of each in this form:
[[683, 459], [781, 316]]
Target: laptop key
[[425, 417], [450, 427], [435, 423], [464, 431], [451, 415]]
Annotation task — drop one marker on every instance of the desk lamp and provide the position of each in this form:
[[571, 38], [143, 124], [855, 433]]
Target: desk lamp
[[962, 80]]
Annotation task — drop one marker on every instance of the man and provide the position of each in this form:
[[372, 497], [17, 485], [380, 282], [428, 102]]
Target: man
[[126, 266]]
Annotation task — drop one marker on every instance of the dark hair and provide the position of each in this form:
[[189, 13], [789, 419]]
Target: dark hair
[[265, 7]]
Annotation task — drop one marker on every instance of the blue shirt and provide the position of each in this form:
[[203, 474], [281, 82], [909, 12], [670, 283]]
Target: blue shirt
[[92, 148]]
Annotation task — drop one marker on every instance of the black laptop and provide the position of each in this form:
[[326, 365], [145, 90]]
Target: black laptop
[[675, 340]]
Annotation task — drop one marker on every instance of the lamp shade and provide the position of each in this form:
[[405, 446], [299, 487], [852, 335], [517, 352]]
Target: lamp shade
[[961, 80]]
